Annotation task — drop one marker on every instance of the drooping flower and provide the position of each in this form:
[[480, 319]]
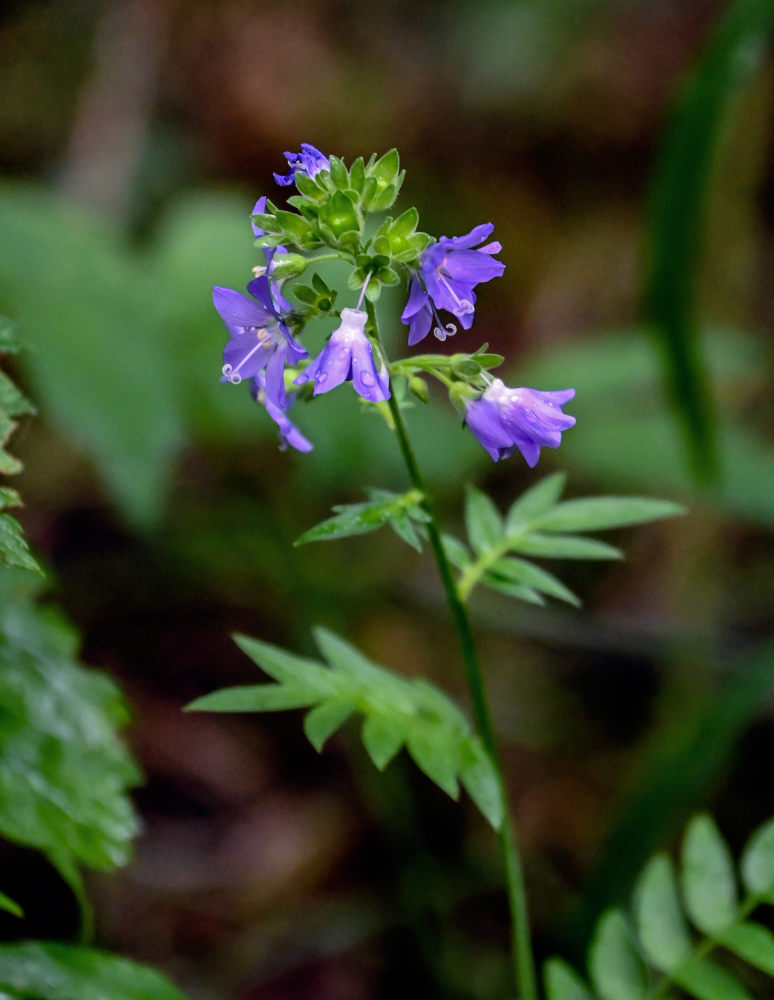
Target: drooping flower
[[289, 434], [449, 270], [504, 419], [348, 356], [259, 338], [309, 161]]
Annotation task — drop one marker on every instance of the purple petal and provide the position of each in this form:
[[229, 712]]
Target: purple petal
[[476, 235], [483, 418], [237, 309], [418, 299], [364, 375], [472, 266], [247, 356], [334, 367], [275, 377]]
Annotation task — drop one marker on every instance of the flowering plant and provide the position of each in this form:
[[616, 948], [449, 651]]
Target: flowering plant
[[337, 213]]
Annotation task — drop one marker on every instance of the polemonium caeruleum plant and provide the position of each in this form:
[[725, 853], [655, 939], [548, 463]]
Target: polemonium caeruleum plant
[[337, 212]]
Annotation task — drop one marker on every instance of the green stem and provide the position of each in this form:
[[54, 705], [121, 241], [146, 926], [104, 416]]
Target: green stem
[[523, 962]]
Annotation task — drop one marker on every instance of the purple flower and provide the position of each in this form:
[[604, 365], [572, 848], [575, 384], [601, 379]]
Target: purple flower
[[348, 355], [309, 161], [289, 434], [528, 419], [448, 272], [259, 339], [275, 287]]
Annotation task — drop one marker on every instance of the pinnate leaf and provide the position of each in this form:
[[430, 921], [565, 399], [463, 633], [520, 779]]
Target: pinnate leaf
[[751, 942], [397, 711], [601, 513], [482, 521], [757, 863], [359, 518], [660, 924], [708, 981], [563, 983], [707, 876], [535, 501], [617, 971]]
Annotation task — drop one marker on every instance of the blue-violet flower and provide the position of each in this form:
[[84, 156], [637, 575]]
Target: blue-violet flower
[[309, 161], [348, 355], [259, 339], [503, 419], [448, 272], [289, 434]]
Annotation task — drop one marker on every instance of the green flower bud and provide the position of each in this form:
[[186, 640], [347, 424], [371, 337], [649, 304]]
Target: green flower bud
[[288, 265], [418, 387]]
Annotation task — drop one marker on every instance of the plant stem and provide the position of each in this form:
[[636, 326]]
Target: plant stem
[[523, 962]]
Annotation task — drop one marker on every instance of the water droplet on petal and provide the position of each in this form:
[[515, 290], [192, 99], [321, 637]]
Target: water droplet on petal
[[367, 379], [321, 377]]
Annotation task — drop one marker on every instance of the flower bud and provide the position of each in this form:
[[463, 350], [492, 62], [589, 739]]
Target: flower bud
[[287, 265]]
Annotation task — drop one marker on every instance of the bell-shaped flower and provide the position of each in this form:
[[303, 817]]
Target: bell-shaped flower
[[504, 419], [259, 339], [348, 356], [289, 434], [309, 161], [449, 270]]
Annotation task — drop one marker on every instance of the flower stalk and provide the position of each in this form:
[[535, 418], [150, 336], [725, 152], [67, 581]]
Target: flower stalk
[[521, 946]]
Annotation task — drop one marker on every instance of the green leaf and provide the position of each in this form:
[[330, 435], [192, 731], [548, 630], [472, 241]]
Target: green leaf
[[47, 971], [360, 518], [536, 500], [678, 206], [396, 710], [660, 924], [381, 739], [563, 983], [65, 773], [707, 981], [256, 698], [103, 370], [434, 753], [757, 862], [751, 942], [286, 667], [617, 971], [597, 513], [455, 551], [10, 905], [707, 876], [14, 550], [565, 547], [323, 721], [482, 521], [523, 572], [479, 779]]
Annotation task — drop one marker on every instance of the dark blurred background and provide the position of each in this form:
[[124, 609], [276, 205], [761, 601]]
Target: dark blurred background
[[135, 136]]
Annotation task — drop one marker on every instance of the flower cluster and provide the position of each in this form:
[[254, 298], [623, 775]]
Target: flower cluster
[[333, 202]]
